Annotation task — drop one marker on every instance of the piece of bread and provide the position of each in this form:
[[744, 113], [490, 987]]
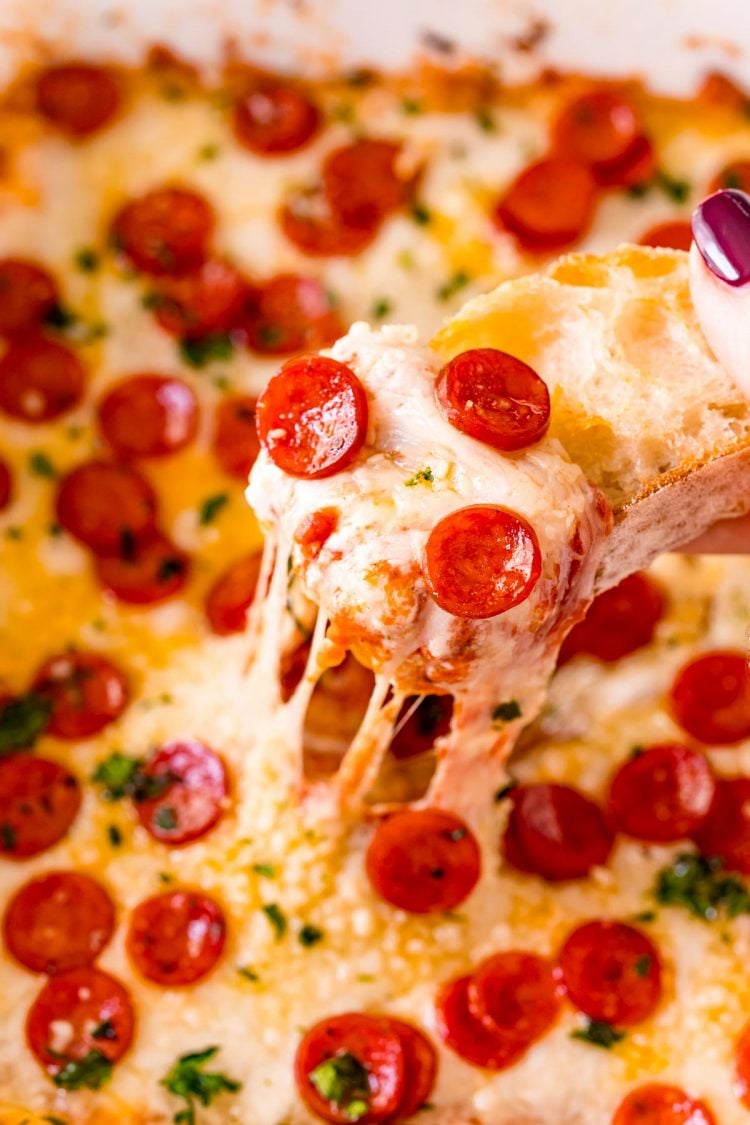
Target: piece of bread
[[638, 399]]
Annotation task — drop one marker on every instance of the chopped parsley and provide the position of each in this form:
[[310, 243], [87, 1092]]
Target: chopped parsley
[[485, 120], [344, 1081], [381, 308], [211, 507], [267, 870], [209, 151], [505, 791], [421, 214], [424, 476], [360, 78], [701, 886], [453, 285], [507, 712], [114, 835], [41, 466], [247, 973], [52, 1120], [22, 720], [411, 106], [165, 818], [677, 190], [170, 567], [645, 916], [731, 178], [7, 837], [277, 918], [198, 353], [190, 1081], [60, 317], [123, 776], [310, 935], [105, 1030], [599, 1034], [90, 1072], [87, 260], [642, 965]]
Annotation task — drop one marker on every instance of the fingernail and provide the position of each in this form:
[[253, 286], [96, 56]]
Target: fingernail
[[721, 229]]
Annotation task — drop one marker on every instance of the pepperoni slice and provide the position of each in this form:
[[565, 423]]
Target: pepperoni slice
[[549, 205], [165, 231], [314, 227], [6, 486], [65, 1021], [611, 972], [193, 794], [312, 417], [598, 128], [154, 570], [661, 795], [420, 722], [362, 184], [176, 938], [676, 235], [638, 167], [290, 313], [656, 1104], [78, 98], [367, 1057], [423, 860], [494, 398], [196, 304], [39, 380], [555, 832], [58, 921], [86, 691], [726, 831], [103, 505], [460, 1030], [481, 561], [710, 698], [28, 292], [39, 801], [420, 1067], [314, 531], [274, 119], [618, 622], [232, 594], [733, 175], [148, 416], [515, 994], [742, 1067], [235, 440]]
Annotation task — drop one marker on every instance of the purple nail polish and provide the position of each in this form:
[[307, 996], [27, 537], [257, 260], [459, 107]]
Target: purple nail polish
[[721, 229]]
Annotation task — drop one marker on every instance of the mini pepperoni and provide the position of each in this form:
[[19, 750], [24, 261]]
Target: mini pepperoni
[[656, 1104], [555, 832], [311, 224], [420, 722], [362, 183], [742, 1067], [64, 1022], [598, 128], [39, 380], [103, 504], [423, 860], [275, 119], [710, 698], [460, 1030], [494, 398], [176, 938], [618, 622], [39, 801], [77, 97], [165, 231], [726, 831], [481, 561], [733, 175], [209, 300], [290, 313], [28, 292], [675, 235], [148, 416], [232, 594], [6, 486], [374, 1062], [85, 690], [661, 795], [58, 921], [152, 571], [515, 994], [193, 794], [611, 972], [314, 531], [420, 1067], [549, 205], [235, 440], [312, 417]]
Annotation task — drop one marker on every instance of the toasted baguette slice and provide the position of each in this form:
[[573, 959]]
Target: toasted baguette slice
[[638, 399]]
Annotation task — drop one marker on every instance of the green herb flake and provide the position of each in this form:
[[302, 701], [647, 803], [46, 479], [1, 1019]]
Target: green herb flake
[[485, 119], [208, 151], [645, 916], [41, 466], [344, 1081], [22, 721], [277, 918], [453, 285], [405, 259], [52, 1120], [7, 837], [151, 300], [170, 568], [90, 1072], [87, 260], [642, 965], [211, 507], [677, 190], [381, 308], [411, 106], [207, 349], [424, 476], [188, 1079], [636, 751], [505, 791], [105, 1030], [114, 835], [702, 887], [267, 870], [507, 712], [165, 818], [598, 1034], [310, 935], [117, 774], [421, 214], [248, 974], [15, 533], [60, 317]]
